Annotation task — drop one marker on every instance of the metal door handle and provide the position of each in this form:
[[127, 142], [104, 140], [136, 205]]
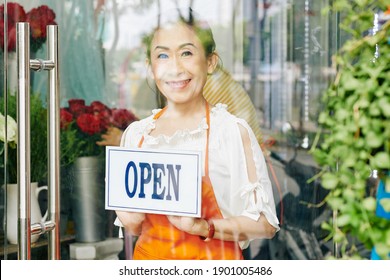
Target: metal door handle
[[24, 64]]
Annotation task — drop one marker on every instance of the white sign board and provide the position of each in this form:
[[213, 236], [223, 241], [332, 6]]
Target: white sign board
[[165, 182]]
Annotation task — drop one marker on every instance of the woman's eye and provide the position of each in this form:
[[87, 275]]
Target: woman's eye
[[162, 55], [186, 53]]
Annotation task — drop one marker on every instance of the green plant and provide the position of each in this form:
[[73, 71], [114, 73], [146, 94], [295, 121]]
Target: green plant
[[38, 139], [83, 125], [355, 136]]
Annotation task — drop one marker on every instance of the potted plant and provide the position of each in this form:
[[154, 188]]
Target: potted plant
[[38, 161], [355, 131], [83, 161], [83, 125], [38, 138]]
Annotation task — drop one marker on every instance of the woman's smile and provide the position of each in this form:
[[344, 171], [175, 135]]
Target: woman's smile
[[178, 84]]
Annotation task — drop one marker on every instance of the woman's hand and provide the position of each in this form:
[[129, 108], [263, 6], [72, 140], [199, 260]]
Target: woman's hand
[[111, 138], [131, 221], [238, 228], [190, 225]]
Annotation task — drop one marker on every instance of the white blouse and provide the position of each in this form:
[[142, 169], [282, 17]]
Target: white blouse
[[235, 194]]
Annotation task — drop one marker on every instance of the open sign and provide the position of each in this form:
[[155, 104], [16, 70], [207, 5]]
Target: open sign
[[165, 182]]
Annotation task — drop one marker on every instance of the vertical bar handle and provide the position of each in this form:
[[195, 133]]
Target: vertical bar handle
[[23, 119], [53, 121], [23, 147]]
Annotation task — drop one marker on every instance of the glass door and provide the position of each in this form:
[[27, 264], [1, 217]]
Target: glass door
[[28, 46], [277, 54]]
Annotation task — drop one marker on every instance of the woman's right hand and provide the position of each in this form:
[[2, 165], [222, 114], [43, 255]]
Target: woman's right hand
[[112, 137], [131, 221]]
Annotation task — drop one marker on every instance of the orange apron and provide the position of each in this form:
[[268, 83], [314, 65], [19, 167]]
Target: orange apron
[[162, 240]]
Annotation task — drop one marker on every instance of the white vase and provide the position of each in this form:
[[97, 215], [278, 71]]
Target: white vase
[[12, 211]]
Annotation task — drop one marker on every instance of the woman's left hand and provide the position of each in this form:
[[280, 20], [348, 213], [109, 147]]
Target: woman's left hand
[[187, 224]]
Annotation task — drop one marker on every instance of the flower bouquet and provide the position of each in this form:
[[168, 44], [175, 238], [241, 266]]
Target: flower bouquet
[[83, 125], [38, 18]]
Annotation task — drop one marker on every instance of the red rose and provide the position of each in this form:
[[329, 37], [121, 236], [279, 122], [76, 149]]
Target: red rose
[[11, 39], [121, 118], [16, 14], [98, 106], [90, 124], [104, 116], [77, 107], [39, 18], [65, 118]]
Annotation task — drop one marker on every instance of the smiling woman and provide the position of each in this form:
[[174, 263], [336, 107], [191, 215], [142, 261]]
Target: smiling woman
[[179, 56], [237, 199]]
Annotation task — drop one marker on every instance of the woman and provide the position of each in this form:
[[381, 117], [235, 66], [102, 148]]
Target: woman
[[237, 199]]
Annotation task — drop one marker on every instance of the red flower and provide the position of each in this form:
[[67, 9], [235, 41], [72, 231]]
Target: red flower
[[98, 106], [65, 118], [83, 125], [90, 124], [121, 118], [38, 18], [77, 107], [15, 13]]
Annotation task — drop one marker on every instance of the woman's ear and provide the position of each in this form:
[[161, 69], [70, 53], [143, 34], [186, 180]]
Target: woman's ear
[[212, 62]]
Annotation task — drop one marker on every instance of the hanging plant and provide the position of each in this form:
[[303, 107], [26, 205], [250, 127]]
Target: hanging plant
[[355, 130]]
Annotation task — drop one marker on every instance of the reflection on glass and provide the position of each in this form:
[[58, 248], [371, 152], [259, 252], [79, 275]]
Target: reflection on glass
[[276, 61]]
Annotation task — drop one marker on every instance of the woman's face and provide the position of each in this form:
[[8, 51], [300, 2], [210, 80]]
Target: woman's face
[[179, 64]]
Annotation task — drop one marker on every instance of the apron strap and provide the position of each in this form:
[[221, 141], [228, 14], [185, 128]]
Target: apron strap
[[156, 116]]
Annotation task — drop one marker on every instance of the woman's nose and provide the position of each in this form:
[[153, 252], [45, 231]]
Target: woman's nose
[[176, 66]]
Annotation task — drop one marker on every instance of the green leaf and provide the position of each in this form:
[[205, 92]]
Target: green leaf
[[385, 203], [343, 220], [342, 114], [369, 203], [329, 181], [339, 237], [374, 140], [349, 195], [383, 250], [387, 184], [335, 202], [382, 160], [326, 226], [361, 3], [384, 105], [341, 4], [387, 237], [374, 109], [350, 82]]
